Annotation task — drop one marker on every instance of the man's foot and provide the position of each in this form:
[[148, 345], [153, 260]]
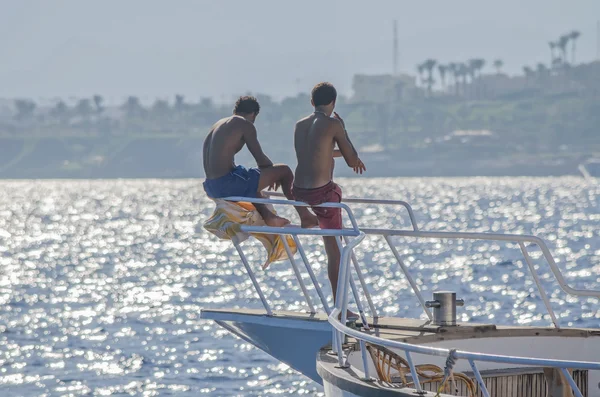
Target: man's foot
[[276, 221], [308, 220]]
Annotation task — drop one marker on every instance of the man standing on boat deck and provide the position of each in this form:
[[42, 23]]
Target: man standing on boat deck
[[315, 137], [224, 179]]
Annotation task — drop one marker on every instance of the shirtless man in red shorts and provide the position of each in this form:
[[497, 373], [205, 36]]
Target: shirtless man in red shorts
[[315, 137]]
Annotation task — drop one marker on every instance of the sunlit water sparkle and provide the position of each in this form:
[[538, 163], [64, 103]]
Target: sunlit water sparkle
[[102, 282]]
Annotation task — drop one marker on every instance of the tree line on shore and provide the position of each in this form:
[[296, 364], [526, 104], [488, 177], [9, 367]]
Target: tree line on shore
[[460, 72]]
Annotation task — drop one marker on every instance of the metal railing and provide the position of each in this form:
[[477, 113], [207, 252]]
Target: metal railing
[[295, 232], [409, 210], [353, 236], [387, 234], [340, 310]]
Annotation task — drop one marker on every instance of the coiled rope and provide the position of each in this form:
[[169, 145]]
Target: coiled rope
[[448, 368]]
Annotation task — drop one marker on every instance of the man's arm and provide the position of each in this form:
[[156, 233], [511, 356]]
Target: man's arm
[[337, 153], [347, 148], [251, 139]]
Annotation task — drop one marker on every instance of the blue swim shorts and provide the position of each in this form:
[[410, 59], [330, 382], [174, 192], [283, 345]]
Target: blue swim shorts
[[240, 181]]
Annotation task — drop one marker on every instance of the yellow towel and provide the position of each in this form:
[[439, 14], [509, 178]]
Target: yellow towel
[[226, 222]]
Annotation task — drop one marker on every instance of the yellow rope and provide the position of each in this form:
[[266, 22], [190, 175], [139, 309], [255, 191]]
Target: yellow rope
[[385, 360]]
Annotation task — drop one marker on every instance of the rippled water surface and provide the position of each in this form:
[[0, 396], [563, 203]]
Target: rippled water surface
[[102, 282]]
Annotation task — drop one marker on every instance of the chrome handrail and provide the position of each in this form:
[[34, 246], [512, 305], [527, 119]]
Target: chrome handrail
[[295, 232], [408, 348], [340, 310], [388, 233], [411, 214], [345, 283]]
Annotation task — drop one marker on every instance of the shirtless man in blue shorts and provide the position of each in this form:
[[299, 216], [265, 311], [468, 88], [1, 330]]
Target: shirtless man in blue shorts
[[224, 179]]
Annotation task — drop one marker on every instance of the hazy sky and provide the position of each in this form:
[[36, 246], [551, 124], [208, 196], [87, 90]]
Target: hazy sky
[[223, 48]]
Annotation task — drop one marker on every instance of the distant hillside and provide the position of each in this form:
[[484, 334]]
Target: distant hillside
[[544, 124]]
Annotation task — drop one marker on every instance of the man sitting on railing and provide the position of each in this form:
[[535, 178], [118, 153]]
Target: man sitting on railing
[[315, 137], [224, 179]]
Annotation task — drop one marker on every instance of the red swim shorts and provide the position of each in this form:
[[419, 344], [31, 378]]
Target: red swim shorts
[[329, 218]]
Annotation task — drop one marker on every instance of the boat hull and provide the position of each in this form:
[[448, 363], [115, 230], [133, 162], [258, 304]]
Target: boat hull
[[293, 339]]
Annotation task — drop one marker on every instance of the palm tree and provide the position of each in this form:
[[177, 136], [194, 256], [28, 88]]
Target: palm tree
[[562, 45], [528, 72], [132, 106], [429, 65], [179, 104], [552, 45], [60, 111], [421, 69], [98, 103], [478, 64], [453, 68], [472, 71], [443, 69], [542, 72], [25, 109], [463, 71], [84, 108], [498, 63], [574, 35]]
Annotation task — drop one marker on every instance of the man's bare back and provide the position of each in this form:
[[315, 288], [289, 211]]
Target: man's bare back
[[223, 142], [315, 138]]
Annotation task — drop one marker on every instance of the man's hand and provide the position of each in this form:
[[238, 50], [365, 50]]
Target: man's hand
[[360, 167], [337, 116]]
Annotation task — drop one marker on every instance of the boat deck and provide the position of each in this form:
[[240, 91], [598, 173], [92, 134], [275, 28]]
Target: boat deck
[[418, 331], [421, 331]]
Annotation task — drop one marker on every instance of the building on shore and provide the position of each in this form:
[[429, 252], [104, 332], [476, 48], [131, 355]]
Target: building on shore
[[384, 88]]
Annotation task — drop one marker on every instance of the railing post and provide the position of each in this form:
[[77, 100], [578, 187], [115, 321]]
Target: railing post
[[480, 381], [571, 382], [413, 371], [363, 284], [340, 308], [409, 277], [312, 274], [339, 337], [363, 352], [411, 215], [298, 275], [346, 282], [341, 304], [359, 305], [251, 274], [361, 312], [538, 284]]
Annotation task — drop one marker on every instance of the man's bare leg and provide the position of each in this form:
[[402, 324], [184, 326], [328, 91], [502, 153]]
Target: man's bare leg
[[333, 266], [270, 218], [282, 174]]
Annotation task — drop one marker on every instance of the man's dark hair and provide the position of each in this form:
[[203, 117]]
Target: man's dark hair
[[246, 105], [323, 94]]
